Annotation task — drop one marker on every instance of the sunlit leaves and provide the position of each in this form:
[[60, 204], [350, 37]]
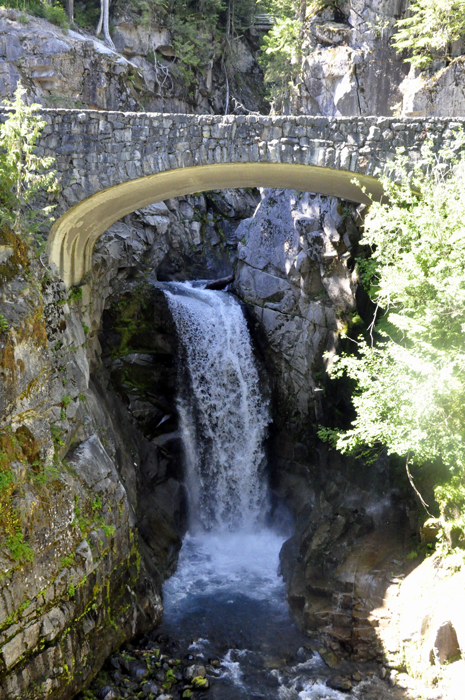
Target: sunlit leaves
[[410, 384], [429, 29], [25, 175]]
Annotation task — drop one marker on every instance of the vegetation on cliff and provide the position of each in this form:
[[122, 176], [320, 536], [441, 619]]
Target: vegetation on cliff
[[429, 30], [281, 51], [25, 176], [409, 371]]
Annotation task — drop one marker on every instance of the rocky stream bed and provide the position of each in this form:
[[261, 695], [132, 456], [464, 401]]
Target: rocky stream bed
[[157, 667]]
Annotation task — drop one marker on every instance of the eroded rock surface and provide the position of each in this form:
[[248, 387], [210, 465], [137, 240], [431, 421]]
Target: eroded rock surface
[[293, 274], [349, 67], [76, 586], [423, 628], [435, 93], [73, 68]]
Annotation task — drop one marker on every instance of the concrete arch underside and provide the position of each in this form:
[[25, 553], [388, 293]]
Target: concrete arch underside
[[74, 234]]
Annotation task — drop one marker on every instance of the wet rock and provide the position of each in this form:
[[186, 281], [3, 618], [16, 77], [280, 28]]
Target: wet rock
[[194, 671], [271, 662], [108, 693], [339, 683], [138, 670], [139, 673], [329, 657], [150, 688], [212, 671]]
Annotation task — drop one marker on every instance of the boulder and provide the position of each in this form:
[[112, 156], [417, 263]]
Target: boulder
[[446, 646]]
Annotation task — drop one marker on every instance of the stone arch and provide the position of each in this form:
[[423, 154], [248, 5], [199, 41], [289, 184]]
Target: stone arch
[[74, 234]]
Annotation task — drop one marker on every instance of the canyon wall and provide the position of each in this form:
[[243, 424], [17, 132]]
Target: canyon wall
[[88, 435]]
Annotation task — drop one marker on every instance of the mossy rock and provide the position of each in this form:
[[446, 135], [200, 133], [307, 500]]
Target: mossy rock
[[15, 255]]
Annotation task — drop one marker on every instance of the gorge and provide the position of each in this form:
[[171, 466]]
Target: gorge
[[165, 496]]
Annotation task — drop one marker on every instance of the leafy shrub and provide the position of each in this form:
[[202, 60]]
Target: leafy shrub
[[87, 14], [429, 29], [54, 13], [410, 380], [280, 58], [24, 175]]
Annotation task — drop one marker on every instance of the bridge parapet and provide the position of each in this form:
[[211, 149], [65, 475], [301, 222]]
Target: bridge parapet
[[111, 163]]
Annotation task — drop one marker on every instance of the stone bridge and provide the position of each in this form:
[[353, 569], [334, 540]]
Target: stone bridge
[[112, 163]]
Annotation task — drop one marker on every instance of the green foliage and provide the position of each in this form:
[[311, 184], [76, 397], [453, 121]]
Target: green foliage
[[25, 176], [67, 562], [75, 294], [57, 433], [14, 447], [109, 530], [194, 41], [53, 13], [19, 549], [49, 473], [3, 323], [410, 385], [280, 58], [429, 29], [281, 48], [202, 32], [86, 14], [97, 503]]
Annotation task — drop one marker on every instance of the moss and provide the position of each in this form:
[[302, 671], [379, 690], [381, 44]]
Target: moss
[[18, 260], [131, 320], [19, 446]]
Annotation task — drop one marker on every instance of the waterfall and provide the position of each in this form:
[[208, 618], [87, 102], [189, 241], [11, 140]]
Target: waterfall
[[223, 417]]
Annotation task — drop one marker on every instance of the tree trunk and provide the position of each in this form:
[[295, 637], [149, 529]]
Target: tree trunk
[[104, 22], [70, 10]]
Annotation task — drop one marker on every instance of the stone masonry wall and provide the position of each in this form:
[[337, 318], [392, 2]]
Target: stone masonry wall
[[96, 150]]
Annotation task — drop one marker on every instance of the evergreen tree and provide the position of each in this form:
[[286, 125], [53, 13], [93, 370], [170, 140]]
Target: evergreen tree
[[26, 178]]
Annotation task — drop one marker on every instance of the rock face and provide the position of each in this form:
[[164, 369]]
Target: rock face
[[349, 67], [75, 69], [435, 93], [292, 273], [295, 274], [424, 626], [68, 70], [91, 449], [74, 584]]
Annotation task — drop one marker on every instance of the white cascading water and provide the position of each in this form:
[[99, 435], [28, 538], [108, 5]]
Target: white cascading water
[[223, 417], [226, 598]]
